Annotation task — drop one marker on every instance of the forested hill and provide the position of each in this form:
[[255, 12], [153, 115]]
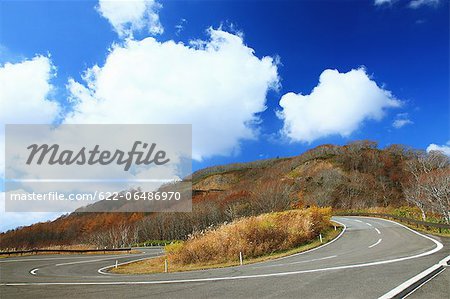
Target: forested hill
[[357, 175]]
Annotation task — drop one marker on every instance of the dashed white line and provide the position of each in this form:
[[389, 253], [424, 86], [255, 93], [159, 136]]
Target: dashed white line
[[358, 220], [376, 243], [368, 224], [378, 231], [33, 272]]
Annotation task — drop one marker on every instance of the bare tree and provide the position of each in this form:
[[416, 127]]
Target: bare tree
[[271, 196], [428, 186]]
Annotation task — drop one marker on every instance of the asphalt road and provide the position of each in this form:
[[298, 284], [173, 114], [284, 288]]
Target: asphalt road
[[371, 257]]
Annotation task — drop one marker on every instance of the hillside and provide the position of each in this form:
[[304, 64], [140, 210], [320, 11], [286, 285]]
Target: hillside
[[357, 175]]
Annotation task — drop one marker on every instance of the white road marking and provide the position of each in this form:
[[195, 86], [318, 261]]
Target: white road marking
[[97, 260], [425, 282], [33, 272], [357, 220], [300, 262], [368, 224], [438, 247], [395, 291], [376, 243], [378, 231], [102, 270]]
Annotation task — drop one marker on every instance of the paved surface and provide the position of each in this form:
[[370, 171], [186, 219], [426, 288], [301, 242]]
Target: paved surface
[[370, 258], [437, 288]]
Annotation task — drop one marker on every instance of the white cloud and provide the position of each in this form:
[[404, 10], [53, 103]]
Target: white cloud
[[24, 94], [218, 86], [399, 123], [412, 4], [24, 90], [383, 2], [442, 148], [337, 105], [127, 16], [402, 119], [419, 3], [180, 26]]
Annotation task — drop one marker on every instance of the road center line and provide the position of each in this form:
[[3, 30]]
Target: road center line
[[358, 220], [368, 224], [33, 272], [378, 231], [376, 243]]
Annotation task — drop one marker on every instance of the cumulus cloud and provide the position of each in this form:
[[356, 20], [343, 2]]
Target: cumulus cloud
[[337, 105], [402, 119], [25, 90], [218, 85], [442, 148], [132, 15], [419, 3]]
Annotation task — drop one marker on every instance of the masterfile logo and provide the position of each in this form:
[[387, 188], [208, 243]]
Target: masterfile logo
[[98, 168], [53, 155]]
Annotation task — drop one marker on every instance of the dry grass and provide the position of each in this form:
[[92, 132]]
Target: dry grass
[[259, 238]]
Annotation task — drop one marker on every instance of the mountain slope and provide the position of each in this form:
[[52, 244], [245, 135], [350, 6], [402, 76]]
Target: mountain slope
[[357, 175]]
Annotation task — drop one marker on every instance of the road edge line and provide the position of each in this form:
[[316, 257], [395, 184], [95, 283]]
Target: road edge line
[[417, 281], [101, 270]]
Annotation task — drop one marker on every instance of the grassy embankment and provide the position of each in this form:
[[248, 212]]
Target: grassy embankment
[[259, 238]]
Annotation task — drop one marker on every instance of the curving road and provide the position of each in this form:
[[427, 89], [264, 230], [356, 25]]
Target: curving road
[[371, 257]]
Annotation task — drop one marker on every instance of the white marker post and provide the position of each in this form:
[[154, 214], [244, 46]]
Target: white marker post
[[320, 237], [116, 263], [335, 228], [166, 266], [240, 258]]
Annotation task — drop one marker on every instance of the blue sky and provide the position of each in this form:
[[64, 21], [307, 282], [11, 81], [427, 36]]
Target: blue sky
[[401, 46]]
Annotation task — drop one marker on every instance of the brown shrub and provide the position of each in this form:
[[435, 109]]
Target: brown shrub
[[253, 236]]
